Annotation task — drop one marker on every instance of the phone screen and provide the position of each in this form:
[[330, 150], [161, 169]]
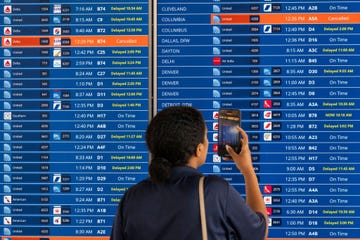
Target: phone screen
[[228, 134]]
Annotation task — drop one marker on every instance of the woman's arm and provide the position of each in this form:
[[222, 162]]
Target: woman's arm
[[243, 162]]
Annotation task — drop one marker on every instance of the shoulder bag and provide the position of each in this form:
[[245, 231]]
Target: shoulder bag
[[202, 208]]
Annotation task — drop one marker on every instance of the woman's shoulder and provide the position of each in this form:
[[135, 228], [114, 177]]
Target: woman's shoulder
[[143, 183], [140, 186], [214, 181]]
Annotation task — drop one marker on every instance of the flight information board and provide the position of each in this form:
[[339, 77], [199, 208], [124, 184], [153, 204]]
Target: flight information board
[[81, 79], [292, 68], [75, 89]]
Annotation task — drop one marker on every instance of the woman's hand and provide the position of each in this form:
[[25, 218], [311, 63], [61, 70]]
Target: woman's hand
[[242, 160]]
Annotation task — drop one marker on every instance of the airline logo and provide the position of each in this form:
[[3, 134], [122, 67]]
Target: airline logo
[[57, 31], [7, 31], [7, 63], [57, 63], [216, 158], [57, 41], [57, 178], [57, 8], [57, 52], [267, 7], [268, 189], [269, 211], [267, 136], [57, 210], [267, 114], [267, 29], [267, 125], [7, 115], [7, 199], [215, 137], [7, 9], [7, 41], [215, 115], [215, 147], [217, 60], [268, 200], [7, 220], [268, 103], [57, 220], [57, 105]]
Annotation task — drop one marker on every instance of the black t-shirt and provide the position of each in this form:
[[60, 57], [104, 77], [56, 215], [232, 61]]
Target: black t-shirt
[[170, 211]]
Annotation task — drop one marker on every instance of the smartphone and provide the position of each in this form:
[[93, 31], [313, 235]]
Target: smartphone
[[228, 134]]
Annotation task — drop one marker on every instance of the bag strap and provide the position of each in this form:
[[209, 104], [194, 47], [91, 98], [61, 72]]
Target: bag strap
[[202, 208]]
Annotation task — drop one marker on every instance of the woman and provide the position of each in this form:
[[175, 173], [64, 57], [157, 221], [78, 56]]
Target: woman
[[166, 205]]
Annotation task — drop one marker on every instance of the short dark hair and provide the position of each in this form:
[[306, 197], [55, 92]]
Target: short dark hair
[[172, 138]]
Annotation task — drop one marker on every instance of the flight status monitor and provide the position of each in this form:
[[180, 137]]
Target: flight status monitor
[[80, 81], [292, 69], [75, 89]]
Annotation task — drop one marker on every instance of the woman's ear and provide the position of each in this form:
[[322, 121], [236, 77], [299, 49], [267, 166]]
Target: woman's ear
[[199, 149]]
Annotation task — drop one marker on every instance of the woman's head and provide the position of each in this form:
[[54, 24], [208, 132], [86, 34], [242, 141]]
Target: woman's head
[[172, 137]]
